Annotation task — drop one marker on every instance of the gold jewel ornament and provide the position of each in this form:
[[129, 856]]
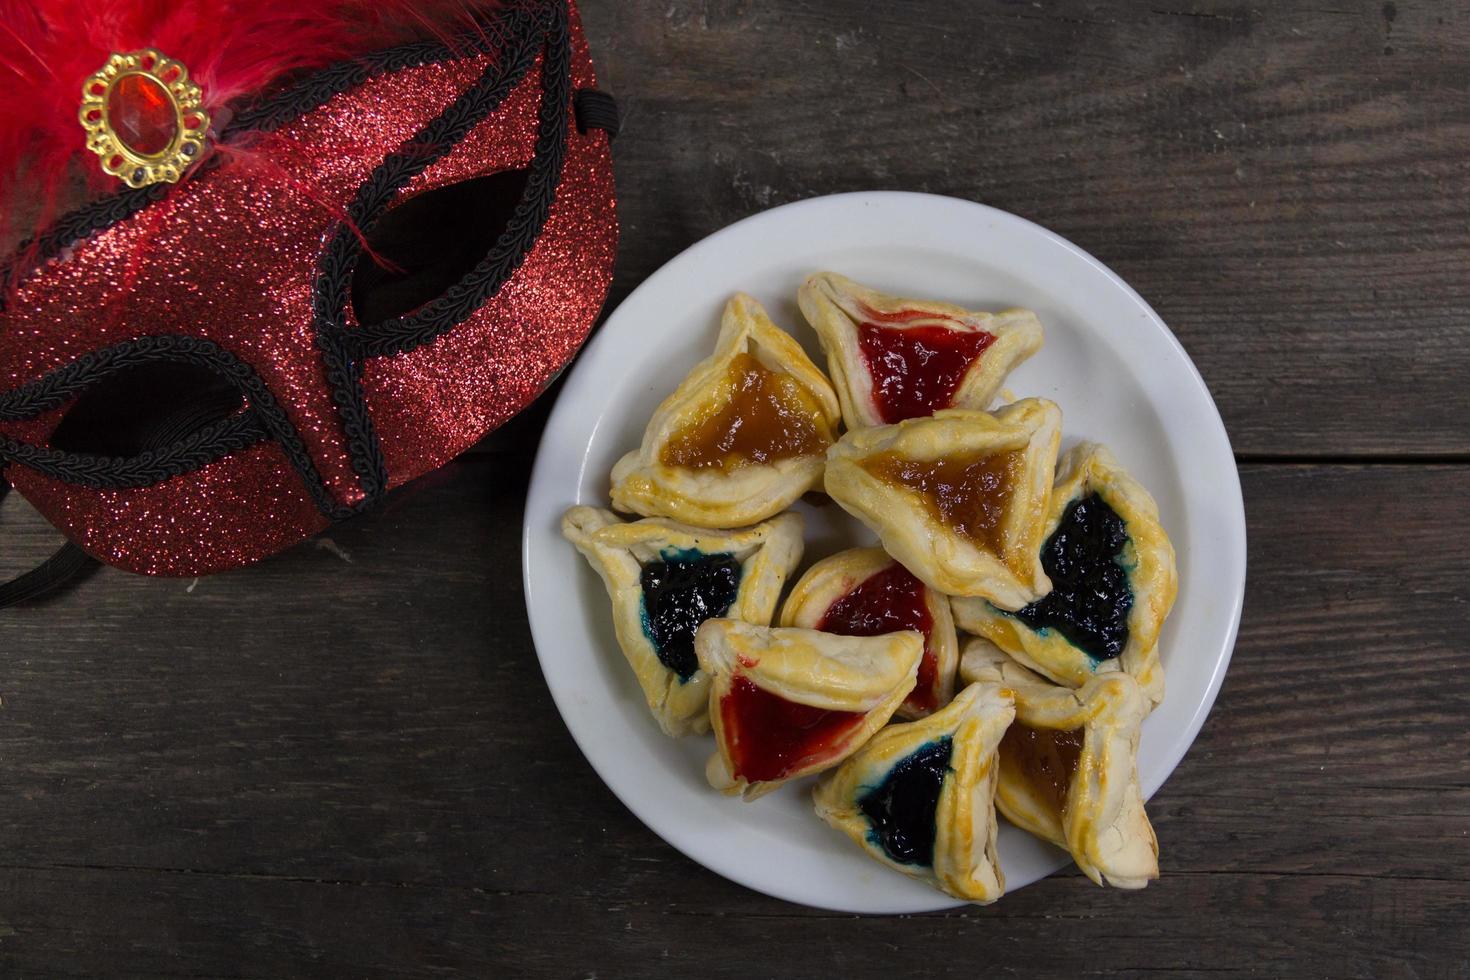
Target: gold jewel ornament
[[143, 118]]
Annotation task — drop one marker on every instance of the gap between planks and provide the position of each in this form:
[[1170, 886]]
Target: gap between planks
[[268, 877], [1352, 459]]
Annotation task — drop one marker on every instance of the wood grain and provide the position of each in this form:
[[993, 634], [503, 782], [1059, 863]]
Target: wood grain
[[323, 766], [344, 761], [1286, 183]]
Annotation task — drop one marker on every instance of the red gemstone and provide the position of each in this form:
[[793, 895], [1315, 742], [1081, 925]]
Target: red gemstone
[[142, 114]]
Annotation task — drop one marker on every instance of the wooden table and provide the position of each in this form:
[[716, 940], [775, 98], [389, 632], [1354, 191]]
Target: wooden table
[[344, 761]]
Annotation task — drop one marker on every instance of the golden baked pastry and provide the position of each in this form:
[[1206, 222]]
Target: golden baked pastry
[[786, 703], [893, 359], [1113, 581], [666, 578], [1069, 766], [864, 592], [920, 797], [960, 498], [741, 438]]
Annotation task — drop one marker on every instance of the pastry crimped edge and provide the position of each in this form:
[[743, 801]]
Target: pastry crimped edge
[[871, 674], [1153, 577], [829, 303], [768, 554], [943, 559], [966, 864], [1103, 825], [835, 576], [642, 484]]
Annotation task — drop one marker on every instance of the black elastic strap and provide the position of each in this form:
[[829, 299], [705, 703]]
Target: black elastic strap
[[59, 568], [597, 110], [207, 408]]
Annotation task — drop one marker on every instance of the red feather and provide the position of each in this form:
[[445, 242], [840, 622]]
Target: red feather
[[231, 48]]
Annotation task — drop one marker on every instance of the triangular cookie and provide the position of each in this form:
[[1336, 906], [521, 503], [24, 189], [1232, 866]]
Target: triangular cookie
[[893, 359], [743, 435], [960, 498], [665, 579], [786, 703], [1113, 581], [1069, 766], [864, 592], [920, 797]]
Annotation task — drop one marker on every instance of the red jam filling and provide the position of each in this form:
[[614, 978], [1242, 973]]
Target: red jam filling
[[888, 602], [769, 416], [770, 737], [916, 370]]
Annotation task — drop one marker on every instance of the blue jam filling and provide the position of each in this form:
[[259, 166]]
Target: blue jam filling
[[1090, 597], [901, 808], [679, 592]]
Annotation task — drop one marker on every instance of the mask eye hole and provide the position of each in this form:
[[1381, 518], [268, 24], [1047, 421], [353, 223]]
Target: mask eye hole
[[145, 407], [430, 242]]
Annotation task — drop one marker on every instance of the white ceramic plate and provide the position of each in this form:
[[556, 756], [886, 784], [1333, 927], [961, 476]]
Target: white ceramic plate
[[1120, 378]]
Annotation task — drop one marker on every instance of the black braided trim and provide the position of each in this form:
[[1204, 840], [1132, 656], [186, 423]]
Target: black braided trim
[[517, 29], [240, 431], [266, 115], [53, 390], [73, 227], [312, 92], [344, 350], [460, 301]]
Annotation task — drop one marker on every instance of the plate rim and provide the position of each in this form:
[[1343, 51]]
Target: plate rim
[[1217, 433]]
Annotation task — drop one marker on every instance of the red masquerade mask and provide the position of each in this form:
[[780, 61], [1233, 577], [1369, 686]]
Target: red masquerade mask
[[365, 273]]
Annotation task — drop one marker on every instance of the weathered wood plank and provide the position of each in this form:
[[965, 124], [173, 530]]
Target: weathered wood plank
[[323, 767], [377, 733], [83, 922], [1286, 183]]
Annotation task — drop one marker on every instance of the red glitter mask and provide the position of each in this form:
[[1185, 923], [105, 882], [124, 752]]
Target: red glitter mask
[[403, 251]]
